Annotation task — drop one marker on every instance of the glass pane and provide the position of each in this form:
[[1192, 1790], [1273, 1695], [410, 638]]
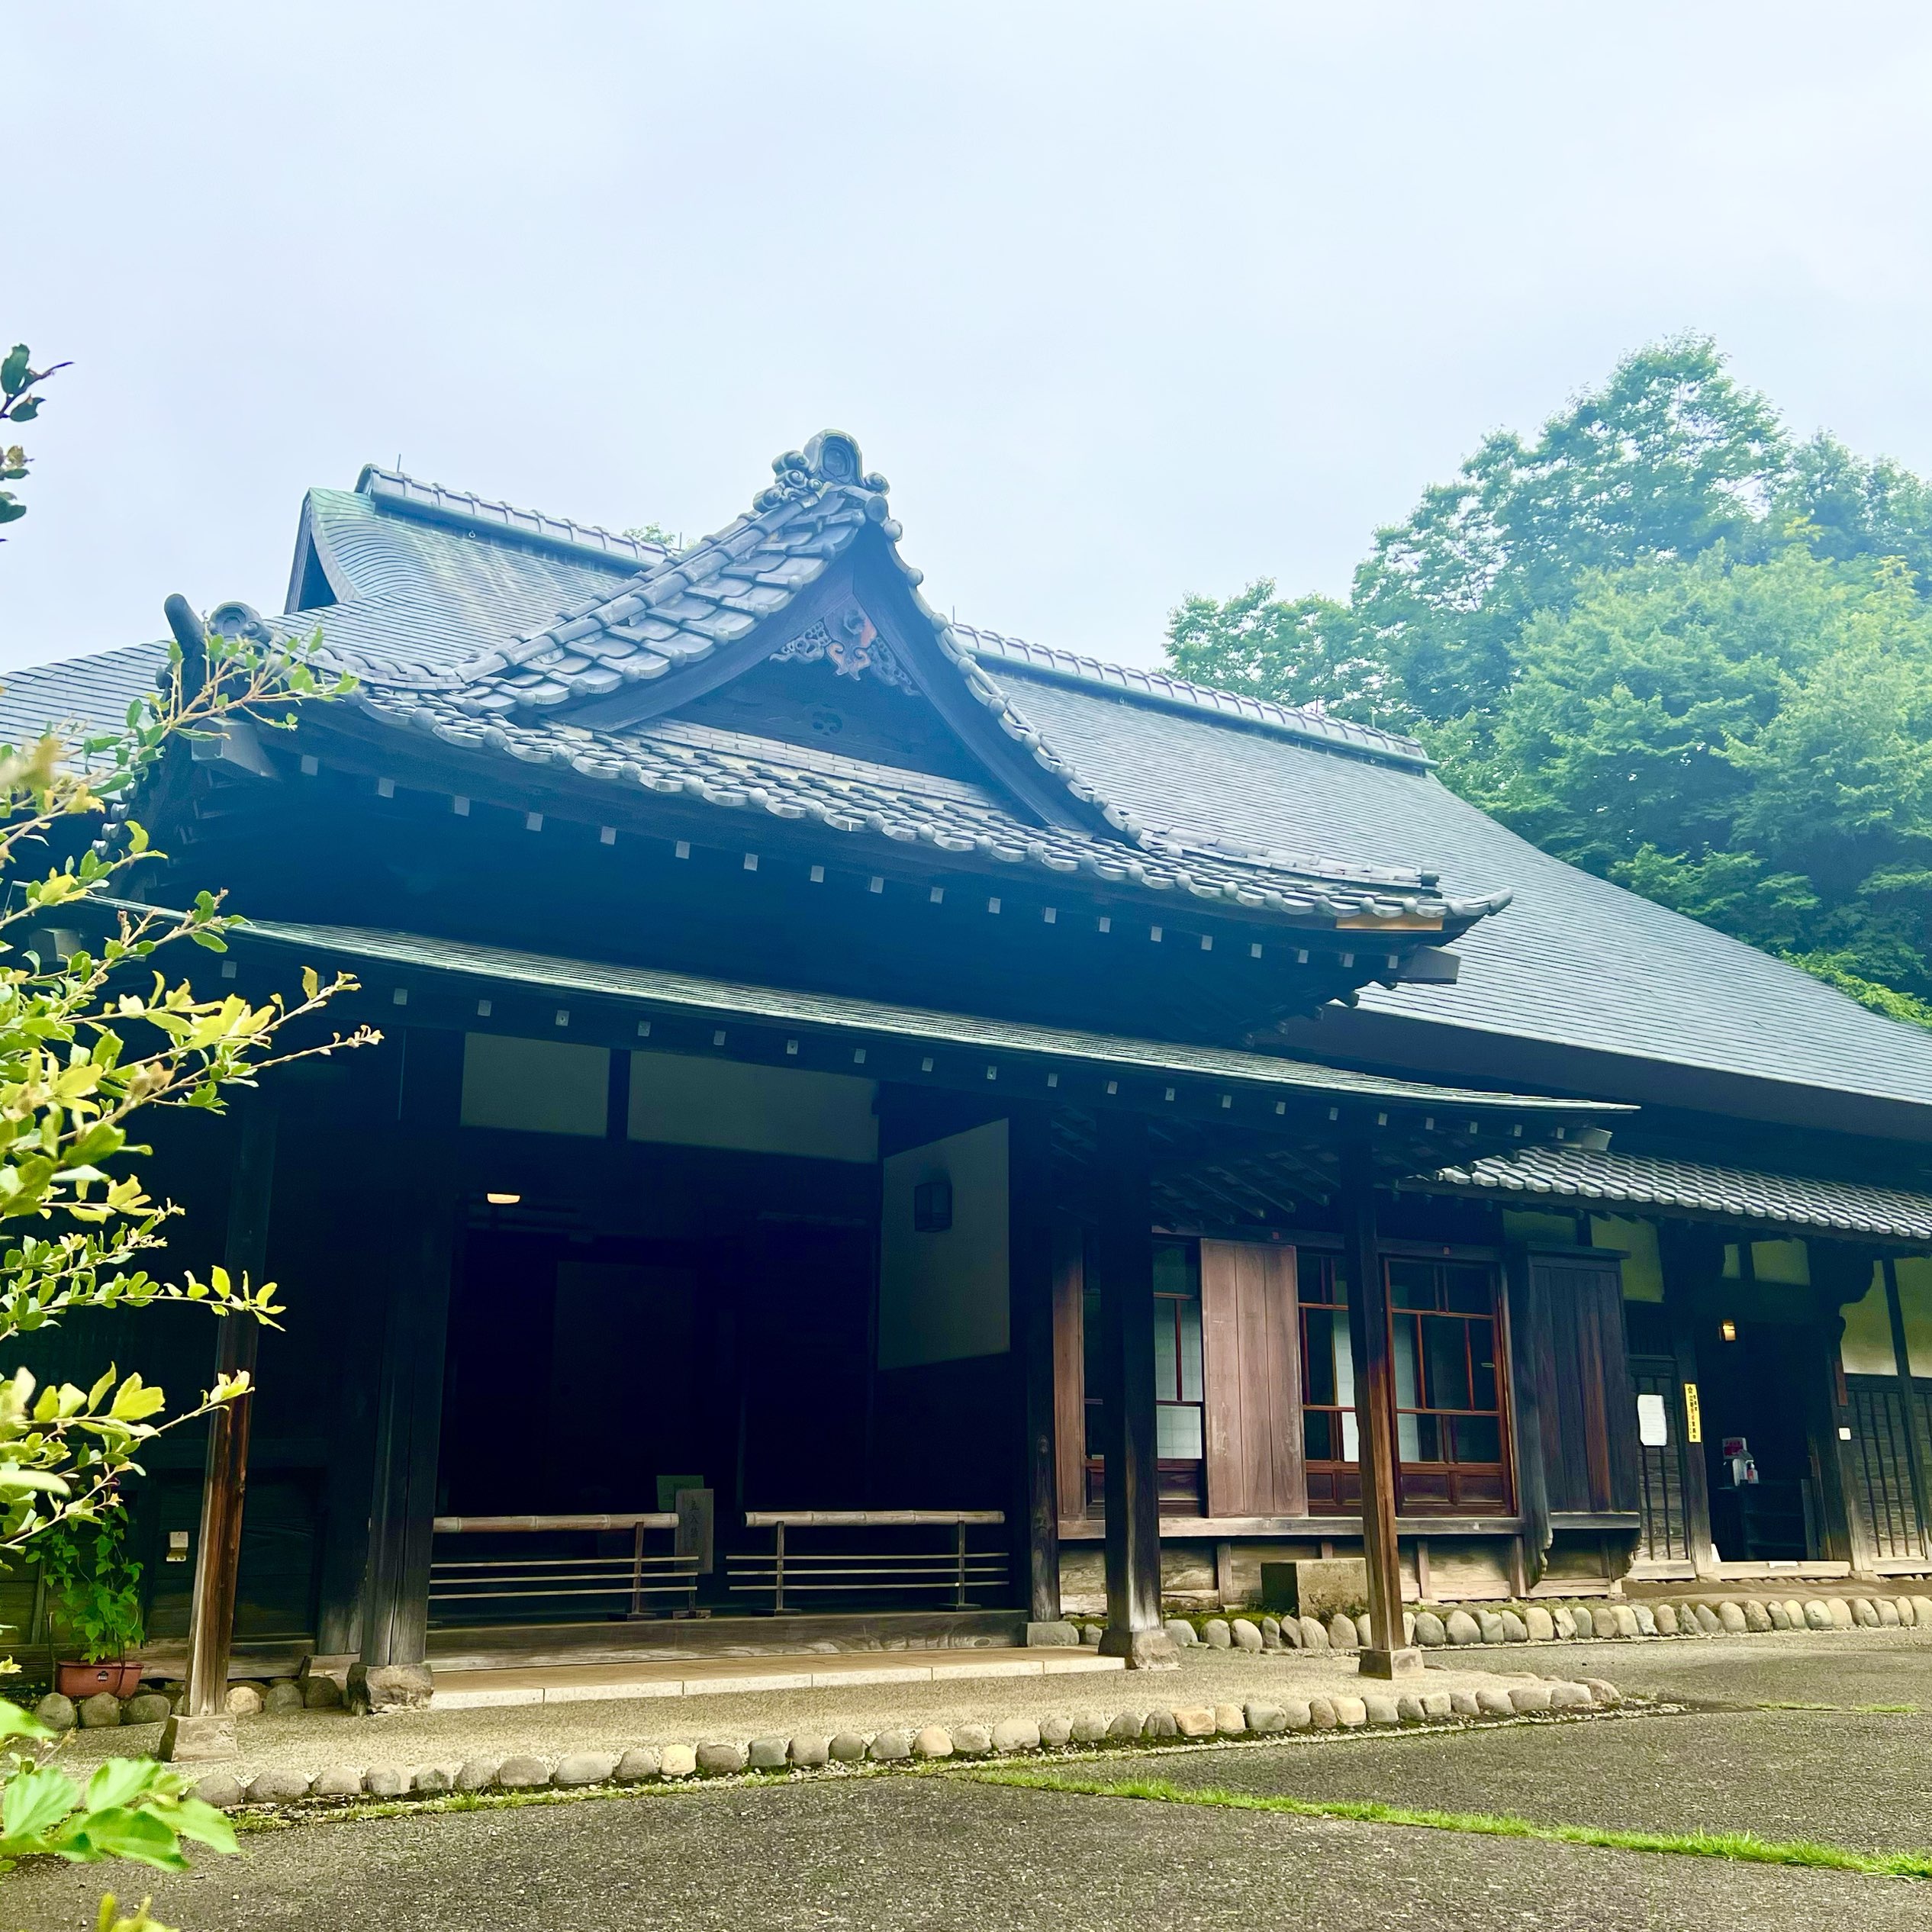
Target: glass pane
[[1177, 1432], [1339, 1354], [1351, 1438], [1408, 1394], [1429, 1434], [1190, 1351], [1412, 1284], [1319, 1435], [1479, 1439], [1319, 1280], [1468, 1290], [1448, 1366], [1482, 1351], [1409, 1439], [1176, 1268], [1093, 1445], [1166, 1368], [1319, 1355]]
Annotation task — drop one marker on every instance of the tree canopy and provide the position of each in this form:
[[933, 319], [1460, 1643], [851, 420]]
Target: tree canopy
[[1666, 641]]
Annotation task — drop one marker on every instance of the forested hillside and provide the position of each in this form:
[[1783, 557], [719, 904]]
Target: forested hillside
[[1667, 641]]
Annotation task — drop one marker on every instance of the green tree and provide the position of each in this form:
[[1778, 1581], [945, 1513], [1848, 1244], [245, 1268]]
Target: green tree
[[20, 402]]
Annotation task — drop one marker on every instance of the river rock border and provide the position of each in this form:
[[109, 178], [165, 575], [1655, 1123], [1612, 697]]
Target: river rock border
[[1472, 1625], [813, 1751]]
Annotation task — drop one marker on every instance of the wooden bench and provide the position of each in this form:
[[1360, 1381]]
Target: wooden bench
[[841, 1554], [627, 1580]]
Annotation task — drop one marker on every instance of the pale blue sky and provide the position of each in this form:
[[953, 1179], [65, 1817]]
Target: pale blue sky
[[1128, 301]]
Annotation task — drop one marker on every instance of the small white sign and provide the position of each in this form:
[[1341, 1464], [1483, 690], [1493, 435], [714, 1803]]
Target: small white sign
[[1653, 1421]]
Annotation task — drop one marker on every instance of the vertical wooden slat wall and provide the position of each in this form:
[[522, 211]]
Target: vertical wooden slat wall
[[1251, 1380], [1069, 1368], [1585, 1402]]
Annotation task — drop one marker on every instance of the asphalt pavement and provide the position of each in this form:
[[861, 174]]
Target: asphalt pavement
[[943, 1851]]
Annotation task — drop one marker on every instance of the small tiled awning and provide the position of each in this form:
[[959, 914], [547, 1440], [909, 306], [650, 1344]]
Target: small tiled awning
[[1566, 1176]]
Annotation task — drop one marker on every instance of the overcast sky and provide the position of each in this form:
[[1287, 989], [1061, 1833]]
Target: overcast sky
[[1126, 301]]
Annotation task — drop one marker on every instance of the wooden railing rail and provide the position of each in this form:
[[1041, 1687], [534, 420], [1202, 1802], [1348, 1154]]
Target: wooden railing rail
[[958, 1569]]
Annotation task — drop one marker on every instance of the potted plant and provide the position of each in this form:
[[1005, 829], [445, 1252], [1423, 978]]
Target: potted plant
[[94, 1600]]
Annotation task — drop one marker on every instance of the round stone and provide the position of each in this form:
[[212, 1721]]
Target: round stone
[[1460, 1628], [1585, 1620], [1088, 1728], [1437, 1705], [1865, 1611], [769, 1753], [1291, 1633], [1541, 1626], [346, 1781], [521, 1772], [1410, 1710], [1888, 1611], [1011, 1734], [1463, 1704], [283, 1697], [934, 1741], [1756, 1617], [1194, 1721], [244, 1700], [56, 1712], [1089, 1634], [430, 1781], [1182, 1631], [1314, 1637], [1780, 1617], [1565, 1620], [1626, 1620], [975, 1740], [1818, 1614], [101, 1711], [1922, 1612], [808, 1750], [1666, 1617], [1125, 1726], [1216, 1633], [479, 1773], [1264, 1718], [1055, 1732], [1907, 1616], [146, 1707], [220, 1790], [1381, 1710], [1646, 1619], [1795, 1611], [278, 1787], [849, 1747], [1271, 1633], [1569, 1697], [1299, 1713], [1351, 1713], [1601, 1692], [719, 1757], [392, 1781], [1515, 1630], [887, 1747], [1160, 1723], [1342, 1633], [1320, 1713], [1708, 1620], [1494, 1703], [321, 1694], [1230, 1721], [1247, 1636], [1843, 1616], [1529, 1700], [681, 1761], [1731, 1615], [1489, 1626], [1429, 1632]]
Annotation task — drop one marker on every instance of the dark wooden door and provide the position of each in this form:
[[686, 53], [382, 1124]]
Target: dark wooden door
[[1252, 1380], [1880, 1466], [1662, 1481], [1588, 1420]]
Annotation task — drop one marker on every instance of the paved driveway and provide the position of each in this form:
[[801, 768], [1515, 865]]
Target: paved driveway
[[942, 1851]]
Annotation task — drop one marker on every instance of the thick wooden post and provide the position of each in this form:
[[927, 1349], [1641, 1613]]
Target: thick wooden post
[[1691, 1256], [1029, 1264], [1908, 1397], [1123, 1260], [394, 1673], [1375, 1411], [208, 1731]]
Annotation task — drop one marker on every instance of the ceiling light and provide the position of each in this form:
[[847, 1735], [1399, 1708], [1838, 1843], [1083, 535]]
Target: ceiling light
[[503, 1200], [1728, 1330]]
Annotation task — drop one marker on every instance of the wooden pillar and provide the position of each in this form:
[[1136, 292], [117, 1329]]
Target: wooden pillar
[[1908, 1397], [217, 1559], [1689, 1255], [1030, 1275], [1840, 1274], [419, 1241], [1122, 1260], [1528, 1339], [1375, 1410]]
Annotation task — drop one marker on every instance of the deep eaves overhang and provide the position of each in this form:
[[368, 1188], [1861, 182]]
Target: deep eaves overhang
[[416, 979]]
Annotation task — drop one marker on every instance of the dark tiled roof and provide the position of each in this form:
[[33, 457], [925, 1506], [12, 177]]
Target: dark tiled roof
[[679, 758], [410, 494], [93, 691], [1567, 1174]]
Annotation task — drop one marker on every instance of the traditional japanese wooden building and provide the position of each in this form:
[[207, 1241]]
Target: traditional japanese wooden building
[[1040, 1135]]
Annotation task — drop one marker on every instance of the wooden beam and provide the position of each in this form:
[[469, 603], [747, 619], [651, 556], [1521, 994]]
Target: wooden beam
[[1375, 1410], [1123, 1260], [1030, 1275], [218, 1561]]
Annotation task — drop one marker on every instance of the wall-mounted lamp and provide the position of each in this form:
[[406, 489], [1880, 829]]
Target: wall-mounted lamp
[[932, 1206], [503, 1200], [1727, 1330]]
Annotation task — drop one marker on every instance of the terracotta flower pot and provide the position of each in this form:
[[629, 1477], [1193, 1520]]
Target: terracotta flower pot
[[80, 1680]]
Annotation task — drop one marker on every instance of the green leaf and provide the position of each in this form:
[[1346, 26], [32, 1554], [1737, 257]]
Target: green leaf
[[144, 1837], [13, 371], [36, 1800], [120, 1781]]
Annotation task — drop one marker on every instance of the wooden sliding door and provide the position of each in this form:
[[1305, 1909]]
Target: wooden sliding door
[[1252, 1380]]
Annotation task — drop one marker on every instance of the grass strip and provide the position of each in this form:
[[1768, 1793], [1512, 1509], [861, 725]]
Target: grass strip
[[1743, 1846]]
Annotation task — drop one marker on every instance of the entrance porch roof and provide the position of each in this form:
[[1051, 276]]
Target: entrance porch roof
[[439, 980]]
